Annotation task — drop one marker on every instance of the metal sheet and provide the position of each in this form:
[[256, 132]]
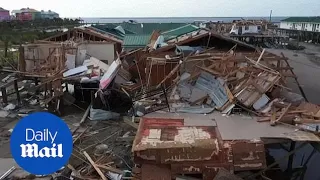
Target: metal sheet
[[261, 102], [196, 109], [214, 87]]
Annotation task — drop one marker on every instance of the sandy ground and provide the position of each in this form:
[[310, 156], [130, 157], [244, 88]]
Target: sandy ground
[[306, 64]]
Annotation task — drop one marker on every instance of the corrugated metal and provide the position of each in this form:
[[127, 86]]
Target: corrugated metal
[[214, 87], [173, 33], [137, 41], [148, 28]]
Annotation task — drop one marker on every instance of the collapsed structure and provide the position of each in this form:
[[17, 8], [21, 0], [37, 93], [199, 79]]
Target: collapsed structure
[[200, 81]]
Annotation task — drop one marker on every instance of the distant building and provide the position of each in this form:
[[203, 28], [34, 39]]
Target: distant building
[[311, 24], [49, 14], [4, 14], [246, 27], [26, 14]]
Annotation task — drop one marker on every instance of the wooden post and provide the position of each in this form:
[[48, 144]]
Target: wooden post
[[17, 90], [22, 62], [67, 89], [95, 166], [4, 95], [290, 161]]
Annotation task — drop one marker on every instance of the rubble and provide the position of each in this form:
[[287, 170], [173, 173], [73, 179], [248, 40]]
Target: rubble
[[197, 74]]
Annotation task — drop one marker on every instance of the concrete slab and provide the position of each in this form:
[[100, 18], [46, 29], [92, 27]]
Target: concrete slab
[[234, 127]]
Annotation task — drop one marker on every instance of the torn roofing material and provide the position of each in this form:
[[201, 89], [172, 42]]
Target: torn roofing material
[[173, 33], [136, 41], [86, 33], [212, 39]]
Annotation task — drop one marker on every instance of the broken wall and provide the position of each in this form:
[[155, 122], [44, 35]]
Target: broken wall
[[37, 54], [102, 51]]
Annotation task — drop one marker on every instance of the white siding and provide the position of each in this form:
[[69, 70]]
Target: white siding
[[301, 26], [102, 51], [250, 29]]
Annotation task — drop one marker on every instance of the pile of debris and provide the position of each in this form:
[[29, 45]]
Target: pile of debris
[[196, 74], [102, 151], [201, 81]]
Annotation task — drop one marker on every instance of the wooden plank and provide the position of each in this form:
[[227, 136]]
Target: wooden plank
[[85, 115], [258, 87], [260, 56], [118, 171], [4, 95], [229, 93], [283, 113], [173, 71], [16, 88], [211, 71], [130, 123], [95, 166], [273, 116], [311, 121]]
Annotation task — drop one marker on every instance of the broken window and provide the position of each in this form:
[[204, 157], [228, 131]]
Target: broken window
[[259, 27], [246, 28]]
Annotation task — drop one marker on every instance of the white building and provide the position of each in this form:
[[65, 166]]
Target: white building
[[311, 24], [240, 28]]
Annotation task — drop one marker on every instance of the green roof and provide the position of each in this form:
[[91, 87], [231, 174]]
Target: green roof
[[143, 28], [173, 33], [314, 19], [136, 41], [110, 29]]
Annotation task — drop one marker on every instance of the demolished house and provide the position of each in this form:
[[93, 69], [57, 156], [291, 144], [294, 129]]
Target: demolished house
[[207, 105], [209, 74]]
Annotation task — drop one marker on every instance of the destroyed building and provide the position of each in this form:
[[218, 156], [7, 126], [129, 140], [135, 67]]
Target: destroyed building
[[202, 105]]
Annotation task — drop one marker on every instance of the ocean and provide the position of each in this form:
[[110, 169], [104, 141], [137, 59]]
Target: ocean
[[275, 19]]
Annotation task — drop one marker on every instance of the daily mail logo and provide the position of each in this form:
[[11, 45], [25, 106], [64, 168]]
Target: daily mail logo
[[41, 143], [32, 150]]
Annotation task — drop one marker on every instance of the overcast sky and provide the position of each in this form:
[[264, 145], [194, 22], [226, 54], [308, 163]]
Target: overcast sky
[[170, 8]]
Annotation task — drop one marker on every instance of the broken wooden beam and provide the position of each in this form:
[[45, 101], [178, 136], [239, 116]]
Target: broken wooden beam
[[95, 166], [4, 95], [115, 170], [130, 123], [16, 89], [283, 113]]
